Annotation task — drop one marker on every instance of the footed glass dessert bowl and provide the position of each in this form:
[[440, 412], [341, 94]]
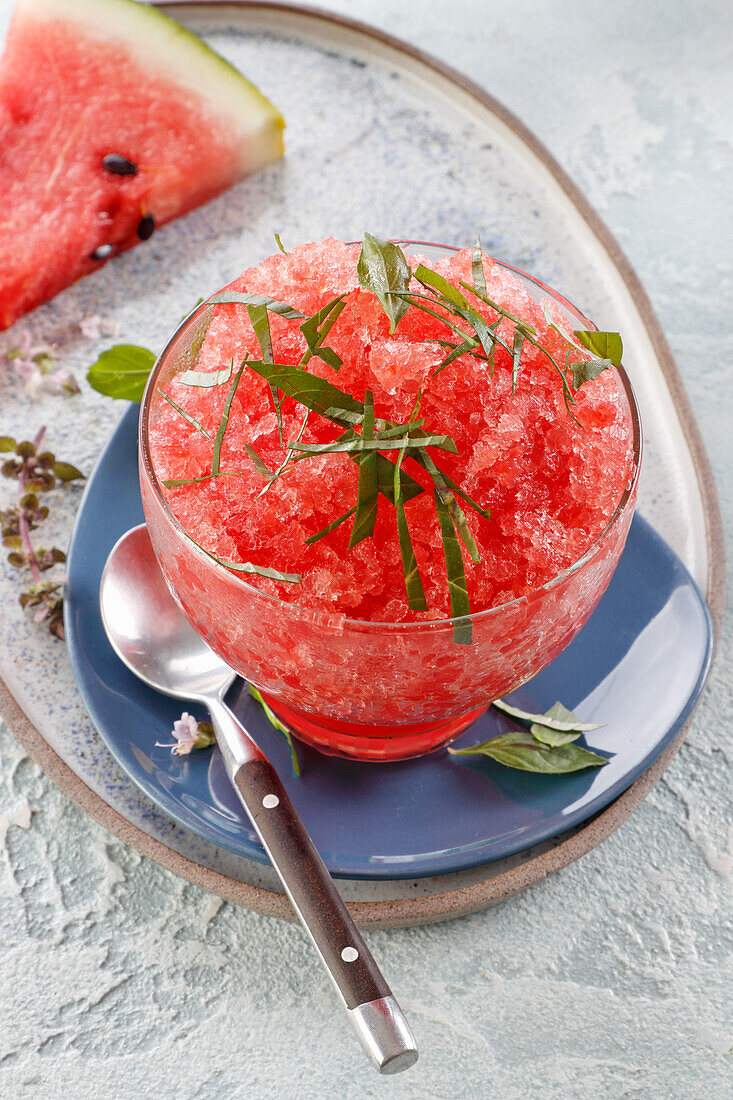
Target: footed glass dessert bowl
[[372, 690]]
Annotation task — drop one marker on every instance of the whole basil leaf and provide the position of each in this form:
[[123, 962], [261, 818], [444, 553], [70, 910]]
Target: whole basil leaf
[[521, 751], [121, 372], [549, 736], [383, 268]]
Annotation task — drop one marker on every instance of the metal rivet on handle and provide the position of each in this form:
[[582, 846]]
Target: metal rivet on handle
[[349, 954], [270, 801]]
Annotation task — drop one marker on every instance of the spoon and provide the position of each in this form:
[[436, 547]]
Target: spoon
[[151, 635]]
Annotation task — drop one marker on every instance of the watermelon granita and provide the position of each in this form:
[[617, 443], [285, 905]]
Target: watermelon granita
[[113, 121], [380, 498]]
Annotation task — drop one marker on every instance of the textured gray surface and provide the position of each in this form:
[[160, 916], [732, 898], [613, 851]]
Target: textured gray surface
[[610, 978]]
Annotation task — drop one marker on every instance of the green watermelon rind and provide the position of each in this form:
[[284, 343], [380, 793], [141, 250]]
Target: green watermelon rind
[[166, 48]]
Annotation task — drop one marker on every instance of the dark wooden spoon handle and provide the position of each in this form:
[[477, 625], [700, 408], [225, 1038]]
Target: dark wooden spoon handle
[[309, 885], [375, 1015]]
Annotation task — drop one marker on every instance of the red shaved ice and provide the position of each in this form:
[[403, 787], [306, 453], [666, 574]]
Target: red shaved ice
[[551, 482]]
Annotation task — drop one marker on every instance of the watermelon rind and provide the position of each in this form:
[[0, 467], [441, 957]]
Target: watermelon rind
[[167, 49]]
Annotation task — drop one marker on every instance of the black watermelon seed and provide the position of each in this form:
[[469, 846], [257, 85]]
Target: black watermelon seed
[[119, 165], [146, 228], [103, 252]]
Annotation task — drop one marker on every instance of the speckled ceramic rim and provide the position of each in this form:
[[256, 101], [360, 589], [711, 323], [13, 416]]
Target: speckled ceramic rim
[[291, 608], [468, 899]]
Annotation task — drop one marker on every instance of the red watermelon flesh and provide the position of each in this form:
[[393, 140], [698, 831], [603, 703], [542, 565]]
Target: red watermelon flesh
[[85, 80]]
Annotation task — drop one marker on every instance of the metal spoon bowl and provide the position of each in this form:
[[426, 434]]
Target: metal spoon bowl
[[151, 635]]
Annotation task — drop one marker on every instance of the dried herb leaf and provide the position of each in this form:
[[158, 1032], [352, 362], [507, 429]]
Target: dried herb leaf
[[258, 463], [248, 567], [453, 297], [177, 482], [606, 345], [273, 719], [358, 444], [385, 473], [261, 325], [216, 459], [588, 370], [206, 379], [232, 297], [558, 327], [383, 269], [455, 573], [259, 570], [418, 301], [414, 590], [317, 394], [330, 527], [258, 319], [121, 372], [279, 244], [516, 356], [434, 281], [552, 721], [186, 416], [520, 750], [367, 493], [455, 488], [399, 430], [459, 349], [524, 325], [316, 329], [477, 268], [456, 512]]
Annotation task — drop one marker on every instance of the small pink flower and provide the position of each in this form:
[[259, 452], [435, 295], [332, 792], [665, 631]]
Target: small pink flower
[[185, 731], [62, 381], [37, 381], [92, 327], [35, 365], [28, 351], [189, 734]]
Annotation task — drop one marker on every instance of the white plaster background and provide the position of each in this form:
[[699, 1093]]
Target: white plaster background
[[609, 979]]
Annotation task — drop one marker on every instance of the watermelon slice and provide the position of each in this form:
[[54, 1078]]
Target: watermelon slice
[[113, 121]]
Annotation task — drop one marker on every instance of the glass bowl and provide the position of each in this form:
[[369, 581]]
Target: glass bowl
[[368, 690]]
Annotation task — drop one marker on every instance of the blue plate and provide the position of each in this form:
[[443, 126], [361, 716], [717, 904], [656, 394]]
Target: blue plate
[[638, 666]]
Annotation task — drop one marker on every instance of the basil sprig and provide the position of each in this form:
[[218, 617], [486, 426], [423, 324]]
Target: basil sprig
[[548, 747]]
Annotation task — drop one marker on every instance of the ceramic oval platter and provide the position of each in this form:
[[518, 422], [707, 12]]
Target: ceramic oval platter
[[372, 145]]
